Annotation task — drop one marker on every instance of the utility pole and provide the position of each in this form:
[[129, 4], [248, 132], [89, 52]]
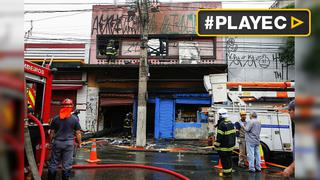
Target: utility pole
[[143, 74]]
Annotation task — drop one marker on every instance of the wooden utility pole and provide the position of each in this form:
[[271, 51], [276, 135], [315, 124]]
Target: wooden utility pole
[[143, 74]]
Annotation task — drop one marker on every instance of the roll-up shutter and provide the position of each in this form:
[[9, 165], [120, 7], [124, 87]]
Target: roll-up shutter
[[165, 113]]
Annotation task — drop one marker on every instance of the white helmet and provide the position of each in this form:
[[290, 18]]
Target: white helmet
[[223, 113]]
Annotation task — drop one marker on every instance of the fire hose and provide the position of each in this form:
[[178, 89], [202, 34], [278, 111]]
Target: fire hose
[[43, 142], [42, 158], [210, 147], [269, 163], [140, 166]]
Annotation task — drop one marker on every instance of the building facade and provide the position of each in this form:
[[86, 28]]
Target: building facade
[[177, 60]]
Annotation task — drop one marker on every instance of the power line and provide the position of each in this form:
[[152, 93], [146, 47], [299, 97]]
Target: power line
[[240, 44], [69, 3], [53, 17], [56, 11]]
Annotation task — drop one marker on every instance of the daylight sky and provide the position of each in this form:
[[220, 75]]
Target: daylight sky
[[76, 26]]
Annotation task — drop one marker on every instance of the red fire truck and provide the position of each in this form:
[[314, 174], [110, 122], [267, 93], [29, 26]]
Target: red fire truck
[[39, 90], [38, 82]]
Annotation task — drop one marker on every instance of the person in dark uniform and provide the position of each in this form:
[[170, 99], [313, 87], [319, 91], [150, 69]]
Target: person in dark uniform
[[127, 125], [226, 140], [63, 128], [111, 51]]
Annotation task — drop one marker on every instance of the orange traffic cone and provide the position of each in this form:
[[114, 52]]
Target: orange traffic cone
[[263, 162], [219, 166], [93, 153]]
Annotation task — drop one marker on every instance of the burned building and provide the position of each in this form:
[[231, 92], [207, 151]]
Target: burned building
[[177, 62]]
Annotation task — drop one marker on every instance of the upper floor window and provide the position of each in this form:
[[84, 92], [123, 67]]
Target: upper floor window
[[157, 47], [104, 43]]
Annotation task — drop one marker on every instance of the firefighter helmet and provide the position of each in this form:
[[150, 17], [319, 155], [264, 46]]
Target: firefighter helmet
[[223, 113], [67, 103]]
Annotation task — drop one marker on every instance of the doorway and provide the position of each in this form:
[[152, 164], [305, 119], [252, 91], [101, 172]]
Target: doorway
[[114, 117], [150, 119]]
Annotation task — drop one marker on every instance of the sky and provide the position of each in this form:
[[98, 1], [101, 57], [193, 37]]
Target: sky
[[76, 26]]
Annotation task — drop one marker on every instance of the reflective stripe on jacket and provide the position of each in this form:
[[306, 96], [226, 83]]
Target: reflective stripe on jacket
[[226, 136]]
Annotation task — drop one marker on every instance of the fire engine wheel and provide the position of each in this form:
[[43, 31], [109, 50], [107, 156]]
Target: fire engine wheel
[[266, 152]]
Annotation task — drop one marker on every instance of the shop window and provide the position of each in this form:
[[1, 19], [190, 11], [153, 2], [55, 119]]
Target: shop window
[[157, 47], [190, 113], [102, 44]]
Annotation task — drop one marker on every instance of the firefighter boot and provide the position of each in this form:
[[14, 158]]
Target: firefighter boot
[[52, 175], [65, 175]]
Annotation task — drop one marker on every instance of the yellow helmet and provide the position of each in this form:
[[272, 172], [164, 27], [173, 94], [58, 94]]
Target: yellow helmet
[[243, 113]]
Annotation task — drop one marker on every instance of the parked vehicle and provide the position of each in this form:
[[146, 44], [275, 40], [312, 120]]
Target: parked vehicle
[[276, 132]]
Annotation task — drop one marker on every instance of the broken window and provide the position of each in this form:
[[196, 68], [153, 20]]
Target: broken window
[[189, 52], [157, 47], [102, 44], [192, 52]]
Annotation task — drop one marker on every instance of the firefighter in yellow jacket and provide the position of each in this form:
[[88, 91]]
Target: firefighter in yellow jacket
[[111, 51], [225, 142]]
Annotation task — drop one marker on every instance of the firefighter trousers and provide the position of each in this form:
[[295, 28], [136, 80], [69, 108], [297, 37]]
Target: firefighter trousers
[[62, 152], [127, 133], [226, 161]]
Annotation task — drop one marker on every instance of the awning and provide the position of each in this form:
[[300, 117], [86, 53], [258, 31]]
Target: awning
[[115, 102], [66, 86], [116, 99]]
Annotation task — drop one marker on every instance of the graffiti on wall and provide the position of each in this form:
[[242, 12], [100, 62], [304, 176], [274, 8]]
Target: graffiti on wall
[[178, 24], [247, 60], [159, 23], [92, 109], [130, 48], [242, 55], [278, 72], [115, 24]]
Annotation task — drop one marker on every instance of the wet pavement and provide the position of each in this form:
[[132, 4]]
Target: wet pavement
[[188, 163], [193, 166]]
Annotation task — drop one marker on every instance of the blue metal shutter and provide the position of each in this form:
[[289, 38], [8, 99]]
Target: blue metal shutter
[[164, 118], [206, 101]]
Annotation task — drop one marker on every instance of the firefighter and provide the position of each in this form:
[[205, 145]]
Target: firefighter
[[242, 142], [127, 125], [226, 140], [111, 51], [62, 130]]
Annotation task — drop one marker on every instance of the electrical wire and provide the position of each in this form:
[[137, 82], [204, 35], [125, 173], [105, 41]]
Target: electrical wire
[[53, 17], [56, 11]]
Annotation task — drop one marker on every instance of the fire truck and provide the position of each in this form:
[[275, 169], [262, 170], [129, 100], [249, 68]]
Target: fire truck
[[276, 132], [38, 91]]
